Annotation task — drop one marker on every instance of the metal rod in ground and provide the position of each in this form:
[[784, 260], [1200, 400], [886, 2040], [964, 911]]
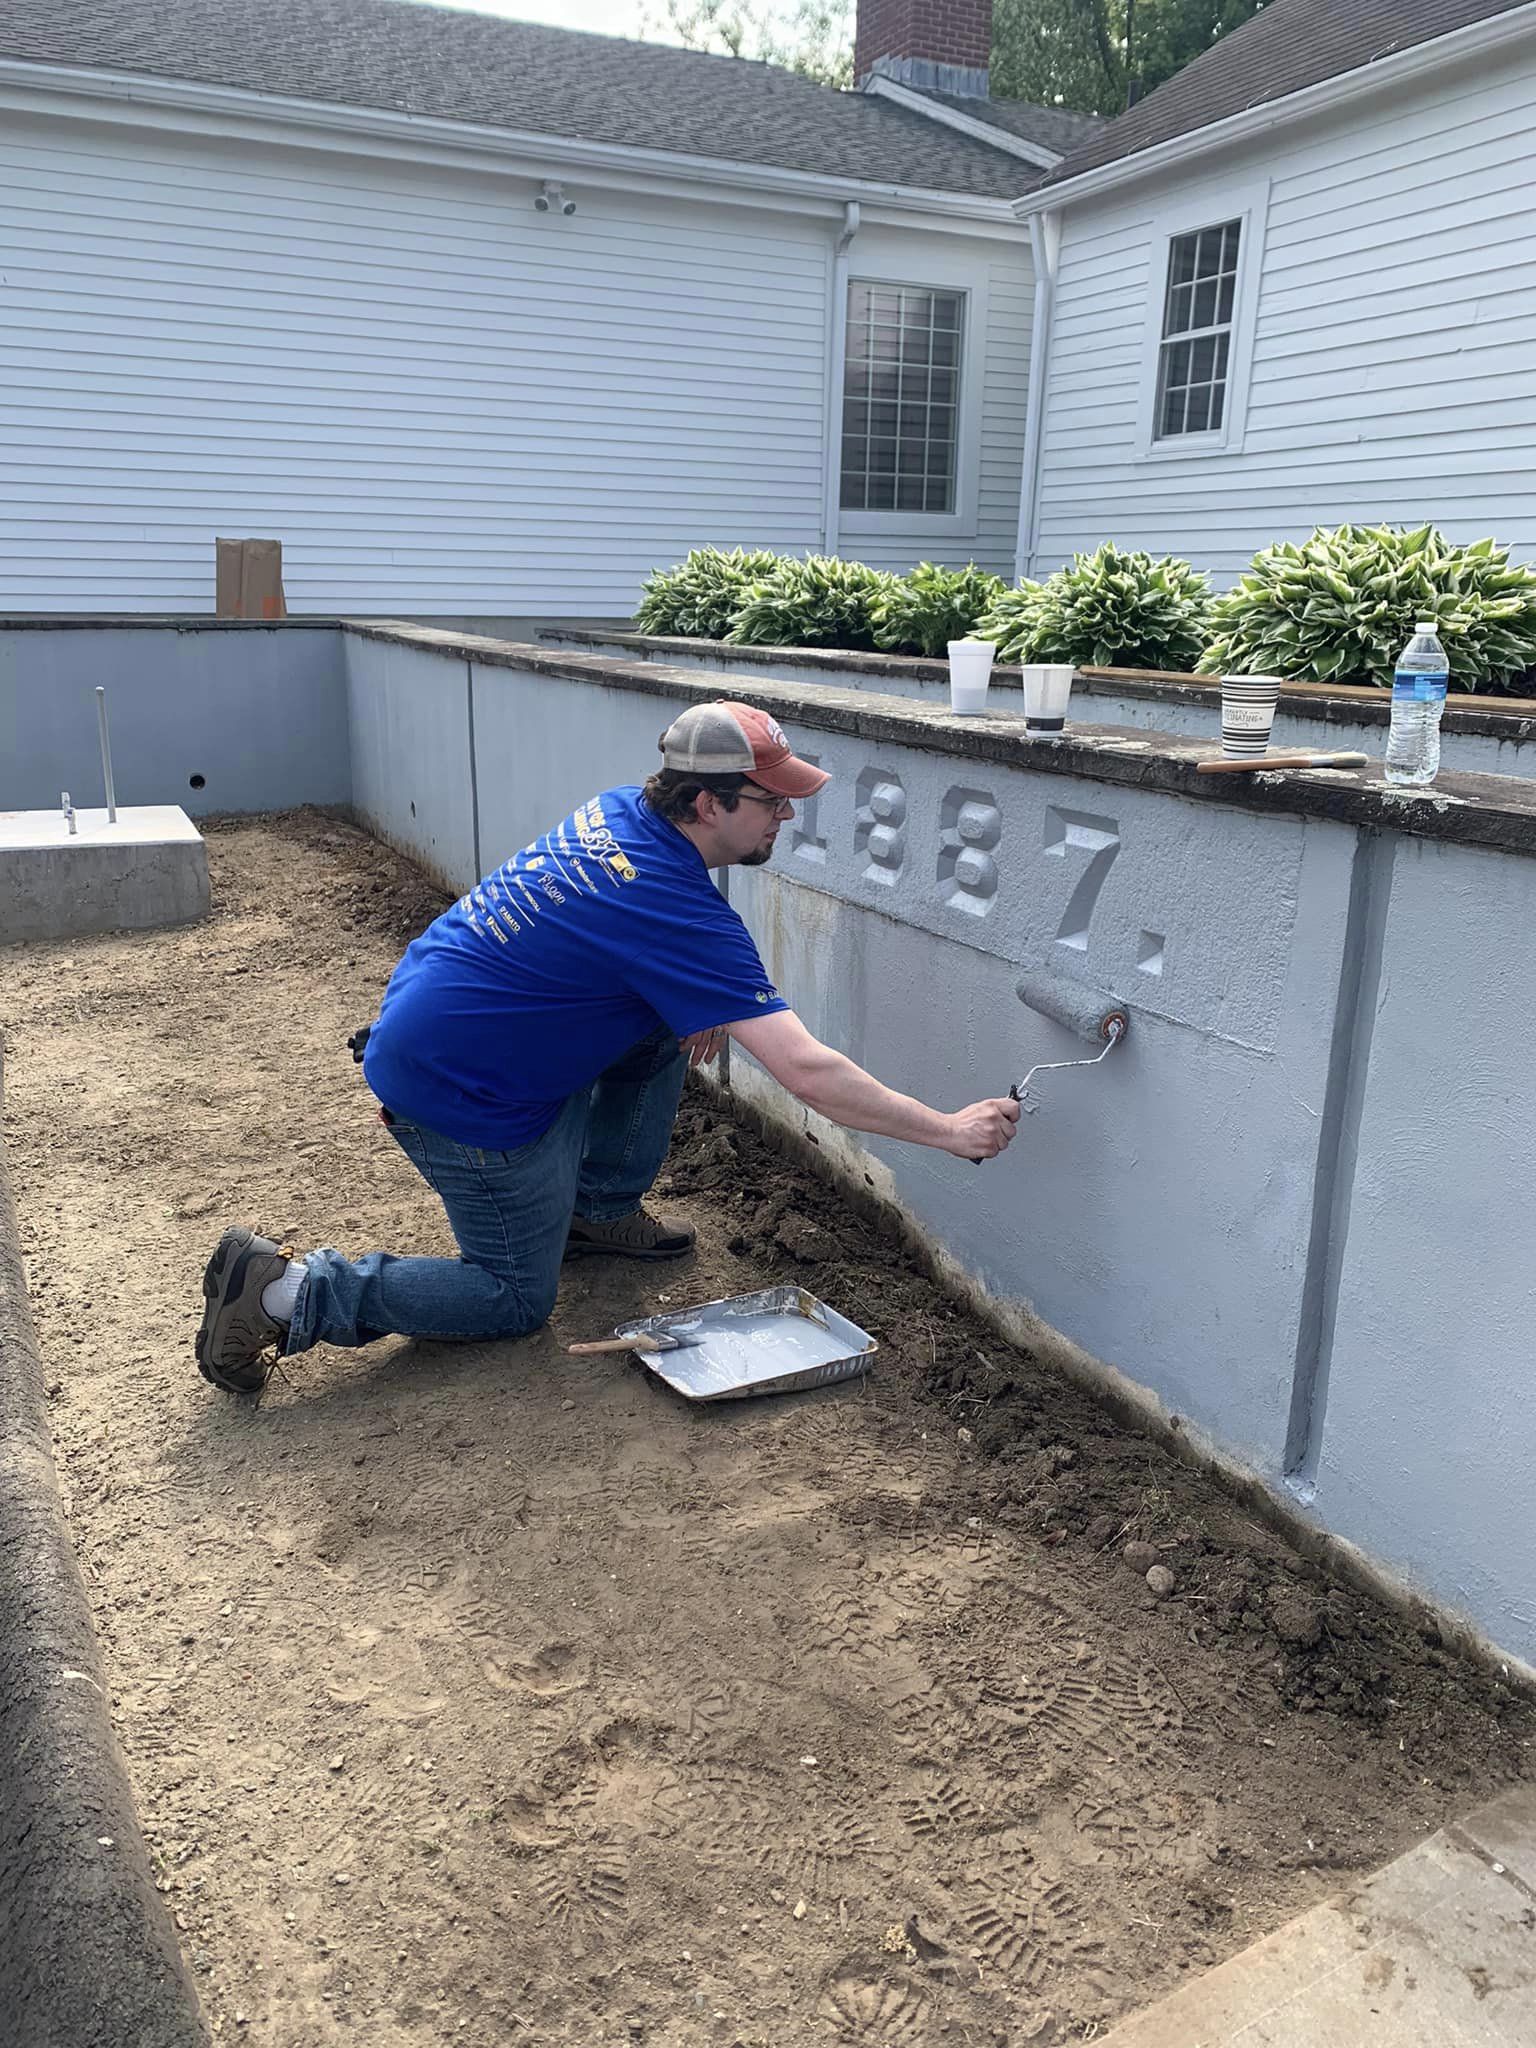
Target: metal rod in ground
[[106, 753]]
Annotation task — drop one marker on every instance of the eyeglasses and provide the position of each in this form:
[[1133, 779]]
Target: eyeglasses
[[783, 806]]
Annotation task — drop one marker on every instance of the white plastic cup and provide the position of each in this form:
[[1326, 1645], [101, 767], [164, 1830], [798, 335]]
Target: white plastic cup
[[970, 670], [1047, 692], [1247, 714]]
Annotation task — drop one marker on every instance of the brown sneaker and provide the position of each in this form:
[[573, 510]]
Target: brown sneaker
[[236, 1328], [635, 1236]]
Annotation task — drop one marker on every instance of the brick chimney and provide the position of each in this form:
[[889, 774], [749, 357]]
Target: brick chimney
[[934, 45]]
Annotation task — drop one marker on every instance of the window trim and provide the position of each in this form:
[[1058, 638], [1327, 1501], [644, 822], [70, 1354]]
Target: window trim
[[1248, 204], [962, 522]]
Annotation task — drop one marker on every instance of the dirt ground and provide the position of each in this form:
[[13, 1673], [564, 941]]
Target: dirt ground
[[480, 1694]]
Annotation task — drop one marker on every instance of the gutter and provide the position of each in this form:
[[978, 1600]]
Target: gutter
[[965, 124], [1382, 74], [1045, 249], [837, 342], [225, 110]]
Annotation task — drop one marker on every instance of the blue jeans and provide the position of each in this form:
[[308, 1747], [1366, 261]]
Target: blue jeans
[[509, 1212]]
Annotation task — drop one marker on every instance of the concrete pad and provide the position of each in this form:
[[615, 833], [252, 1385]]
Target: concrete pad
[[147, 868], [1440, 1947]]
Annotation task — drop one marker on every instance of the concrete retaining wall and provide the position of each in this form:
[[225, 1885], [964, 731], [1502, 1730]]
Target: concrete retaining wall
[[1285, 1216], [87, 1954], [1479, 736], [1286, 1208], [213, 715]]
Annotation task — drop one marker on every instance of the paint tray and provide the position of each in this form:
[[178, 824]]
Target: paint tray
[[777, 1341]]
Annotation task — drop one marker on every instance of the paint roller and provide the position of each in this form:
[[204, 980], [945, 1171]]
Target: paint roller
[[1095, 1018]]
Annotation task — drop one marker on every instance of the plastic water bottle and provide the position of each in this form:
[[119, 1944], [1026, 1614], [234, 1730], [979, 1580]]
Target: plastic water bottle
[[1418, 697]]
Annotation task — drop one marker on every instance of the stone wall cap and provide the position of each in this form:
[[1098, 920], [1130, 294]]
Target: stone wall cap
[[1497, 812]]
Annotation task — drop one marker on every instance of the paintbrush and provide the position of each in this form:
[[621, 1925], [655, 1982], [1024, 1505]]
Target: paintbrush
[[637, 1340], [1251, 763]]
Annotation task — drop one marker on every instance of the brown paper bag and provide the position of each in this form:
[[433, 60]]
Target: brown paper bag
[[248, 579]]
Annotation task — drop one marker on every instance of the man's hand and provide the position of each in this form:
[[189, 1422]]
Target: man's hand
[[832, 1085], [704, 1046], [984, 1129]]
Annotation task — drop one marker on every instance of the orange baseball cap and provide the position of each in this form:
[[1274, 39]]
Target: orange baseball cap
[[736, 739]]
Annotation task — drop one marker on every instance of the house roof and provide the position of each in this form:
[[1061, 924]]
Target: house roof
[[1055, 128], [1288, 46], [478, 68]]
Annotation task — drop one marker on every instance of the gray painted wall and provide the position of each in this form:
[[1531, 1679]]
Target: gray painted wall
[[1291, 1207], [1288, 1207], [259, 712]]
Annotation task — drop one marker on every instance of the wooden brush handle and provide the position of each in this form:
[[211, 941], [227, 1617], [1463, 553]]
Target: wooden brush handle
[[1249, 764], [636, 1343]]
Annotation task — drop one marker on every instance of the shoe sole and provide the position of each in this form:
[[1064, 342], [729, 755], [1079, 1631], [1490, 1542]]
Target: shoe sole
[[578, 1248], [234, 1245]]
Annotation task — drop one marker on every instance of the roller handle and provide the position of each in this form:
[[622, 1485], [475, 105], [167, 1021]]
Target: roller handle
[[1013, 1096], [640, 1342]]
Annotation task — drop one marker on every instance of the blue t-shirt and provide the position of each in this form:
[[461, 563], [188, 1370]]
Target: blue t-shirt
[[598, 934]]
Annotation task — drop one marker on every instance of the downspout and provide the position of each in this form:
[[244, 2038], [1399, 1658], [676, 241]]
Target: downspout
[[837, 346], [1045, 247]]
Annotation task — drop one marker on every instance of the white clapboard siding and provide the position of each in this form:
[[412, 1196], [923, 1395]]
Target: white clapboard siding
[[1394, 356], [438, 399]]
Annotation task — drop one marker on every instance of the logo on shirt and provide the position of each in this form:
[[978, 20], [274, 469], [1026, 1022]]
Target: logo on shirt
[[767, 995], [622, 866]]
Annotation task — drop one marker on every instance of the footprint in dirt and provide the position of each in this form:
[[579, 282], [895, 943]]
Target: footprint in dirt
[[556, 1668]]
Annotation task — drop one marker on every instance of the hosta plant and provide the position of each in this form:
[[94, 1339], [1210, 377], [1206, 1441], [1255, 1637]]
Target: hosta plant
[[922, 612], [1116, 608], [699, 597], [820, 601], [1340, 607]]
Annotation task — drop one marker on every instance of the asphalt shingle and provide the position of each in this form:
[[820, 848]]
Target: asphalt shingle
[[1289, 46], [1054, 128], [479, 68]]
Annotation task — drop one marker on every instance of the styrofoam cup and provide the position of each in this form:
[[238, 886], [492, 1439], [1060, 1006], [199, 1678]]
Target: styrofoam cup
[[1247, 714], [1047, 691], [970, 670]]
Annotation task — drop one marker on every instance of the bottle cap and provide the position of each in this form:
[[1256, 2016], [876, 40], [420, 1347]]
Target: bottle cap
[[1425, 626]]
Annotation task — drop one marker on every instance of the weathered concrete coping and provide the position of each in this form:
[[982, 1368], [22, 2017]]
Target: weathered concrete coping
[[1493, 811], [159, 622], [1505, 718]]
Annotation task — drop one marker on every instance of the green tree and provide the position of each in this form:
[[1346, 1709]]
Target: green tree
[[813, 37], [1097, 55]]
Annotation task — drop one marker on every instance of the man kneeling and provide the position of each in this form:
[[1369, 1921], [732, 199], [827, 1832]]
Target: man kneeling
[[530, 1052]]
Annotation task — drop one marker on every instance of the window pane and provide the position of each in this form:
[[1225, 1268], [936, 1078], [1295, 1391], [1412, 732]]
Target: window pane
[[1202, 360], [1181, 259], [1176, 362], [1180, 301], [1173, 411], [1208, 252], [1198, 409], [1223, 349], [1204, 314], [1231, 234], [901, 385], [1218, 404], [1224, 298]]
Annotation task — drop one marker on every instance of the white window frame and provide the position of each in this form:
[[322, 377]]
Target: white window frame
[[925, 273], [1248, 204]]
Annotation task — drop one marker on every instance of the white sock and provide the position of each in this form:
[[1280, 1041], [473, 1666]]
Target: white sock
[[280, 1297]]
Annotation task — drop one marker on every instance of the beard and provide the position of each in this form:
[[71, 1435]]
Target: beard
[[756, 860]]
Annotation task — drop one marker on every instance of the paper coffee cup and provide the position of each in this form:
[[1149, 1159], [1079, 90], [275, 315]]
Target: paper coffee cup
[[1047, 690], [1247, 713], [970, 670]]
